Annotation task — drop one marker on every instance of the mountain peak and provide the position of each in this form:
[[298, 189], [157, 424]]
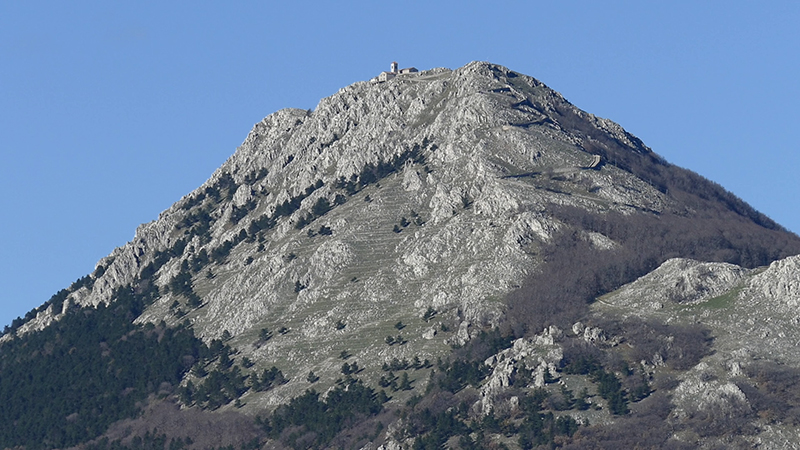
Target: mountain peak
[[400, 219], [474, 155]]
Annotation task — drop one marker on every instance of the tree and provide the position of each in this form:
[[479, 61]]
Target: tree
[[405, 383], [264, 335], [321, 207]]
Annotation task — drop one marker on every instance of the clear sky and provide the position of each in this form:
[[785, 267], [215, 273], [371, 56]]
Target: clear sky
[[111, 111]]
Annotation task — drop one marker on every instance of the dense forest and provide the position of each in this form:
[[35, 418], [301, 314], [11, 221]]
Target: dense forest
[[68, 383]]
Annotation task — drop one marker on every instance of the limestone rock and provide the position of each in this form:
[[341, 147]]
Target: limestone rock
[[722, 399], [682, 281], [752, 315], [593, 335], [780, 281], [540, 353], [427, 191]]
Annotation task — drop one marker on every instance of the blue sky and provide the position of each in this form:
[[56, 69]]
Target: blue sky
[[111, 111]]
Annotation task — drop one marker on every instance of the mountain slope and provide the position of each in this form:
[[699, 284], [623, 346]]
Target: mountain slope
[[392, 223]]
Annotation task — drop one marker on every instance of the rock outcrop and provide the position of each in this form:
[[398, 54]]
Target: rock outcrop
[[680, 281], [389, 224], [422, 192]]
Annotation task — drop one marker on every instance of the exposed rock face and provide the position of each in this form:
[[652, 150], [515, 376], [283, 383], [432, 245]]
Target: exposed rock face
[[541, 354], [695, 396], [753, 317], [752, 312], [444, 210], [779, 281], [391, 222], [39, 322], [681, 281], [460, 193]]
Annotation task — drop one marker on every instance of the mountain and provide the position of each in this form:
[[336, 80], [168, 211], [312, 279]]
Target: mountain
[[450, 256]]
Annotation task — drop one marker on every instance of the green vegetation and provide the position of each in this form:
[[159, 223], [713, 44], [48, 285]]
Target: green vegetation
[[181, 284], [268, 379], [373, 173], [561, 292], [264, 335], [610, 388], [439, 416], [456, 375], [226, 382], [430, 313], [285, 209], [147, 442], [65, 384], [107, 366], [240, 212], [312, 422], [404, 364], [57, 300], [721, 302], [349, 369], [399, 340], [219, 387]]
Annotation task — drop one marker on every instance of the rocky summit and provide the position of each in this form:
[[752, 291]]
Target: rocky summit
[[464, 255]]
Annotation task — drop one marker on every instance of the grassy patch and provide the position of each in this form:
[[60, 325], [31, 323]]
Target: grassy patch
[[721, 302]]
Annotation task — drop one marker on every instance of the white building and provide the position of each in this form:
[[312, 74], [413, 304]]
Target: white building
[[386, 76]]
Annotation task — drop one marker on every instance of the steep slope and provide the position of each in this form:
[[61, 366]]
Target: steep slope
[[392, 222], [692, 355], [456, 160], [749, 385]]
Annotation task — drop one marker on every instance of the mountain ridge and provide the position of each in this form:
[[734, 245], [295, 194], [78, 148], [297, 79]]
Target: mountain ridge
[[153, 234], [394, 221]]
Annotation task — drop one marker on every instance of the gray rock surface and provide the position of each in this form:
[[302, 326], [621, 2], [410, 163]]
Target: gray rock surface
[[753, 316], [468, 226], [542, 354], [680, 281], [466, 164]]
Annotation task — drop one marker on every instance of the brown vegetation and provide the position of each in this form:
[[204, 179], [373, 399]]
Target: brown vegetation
[[576, 272], [204, 429]]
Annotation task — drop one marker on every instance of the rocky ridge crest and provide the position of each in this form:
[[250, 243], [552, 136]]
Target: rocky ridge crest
[[451, 225], [392, 221]]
